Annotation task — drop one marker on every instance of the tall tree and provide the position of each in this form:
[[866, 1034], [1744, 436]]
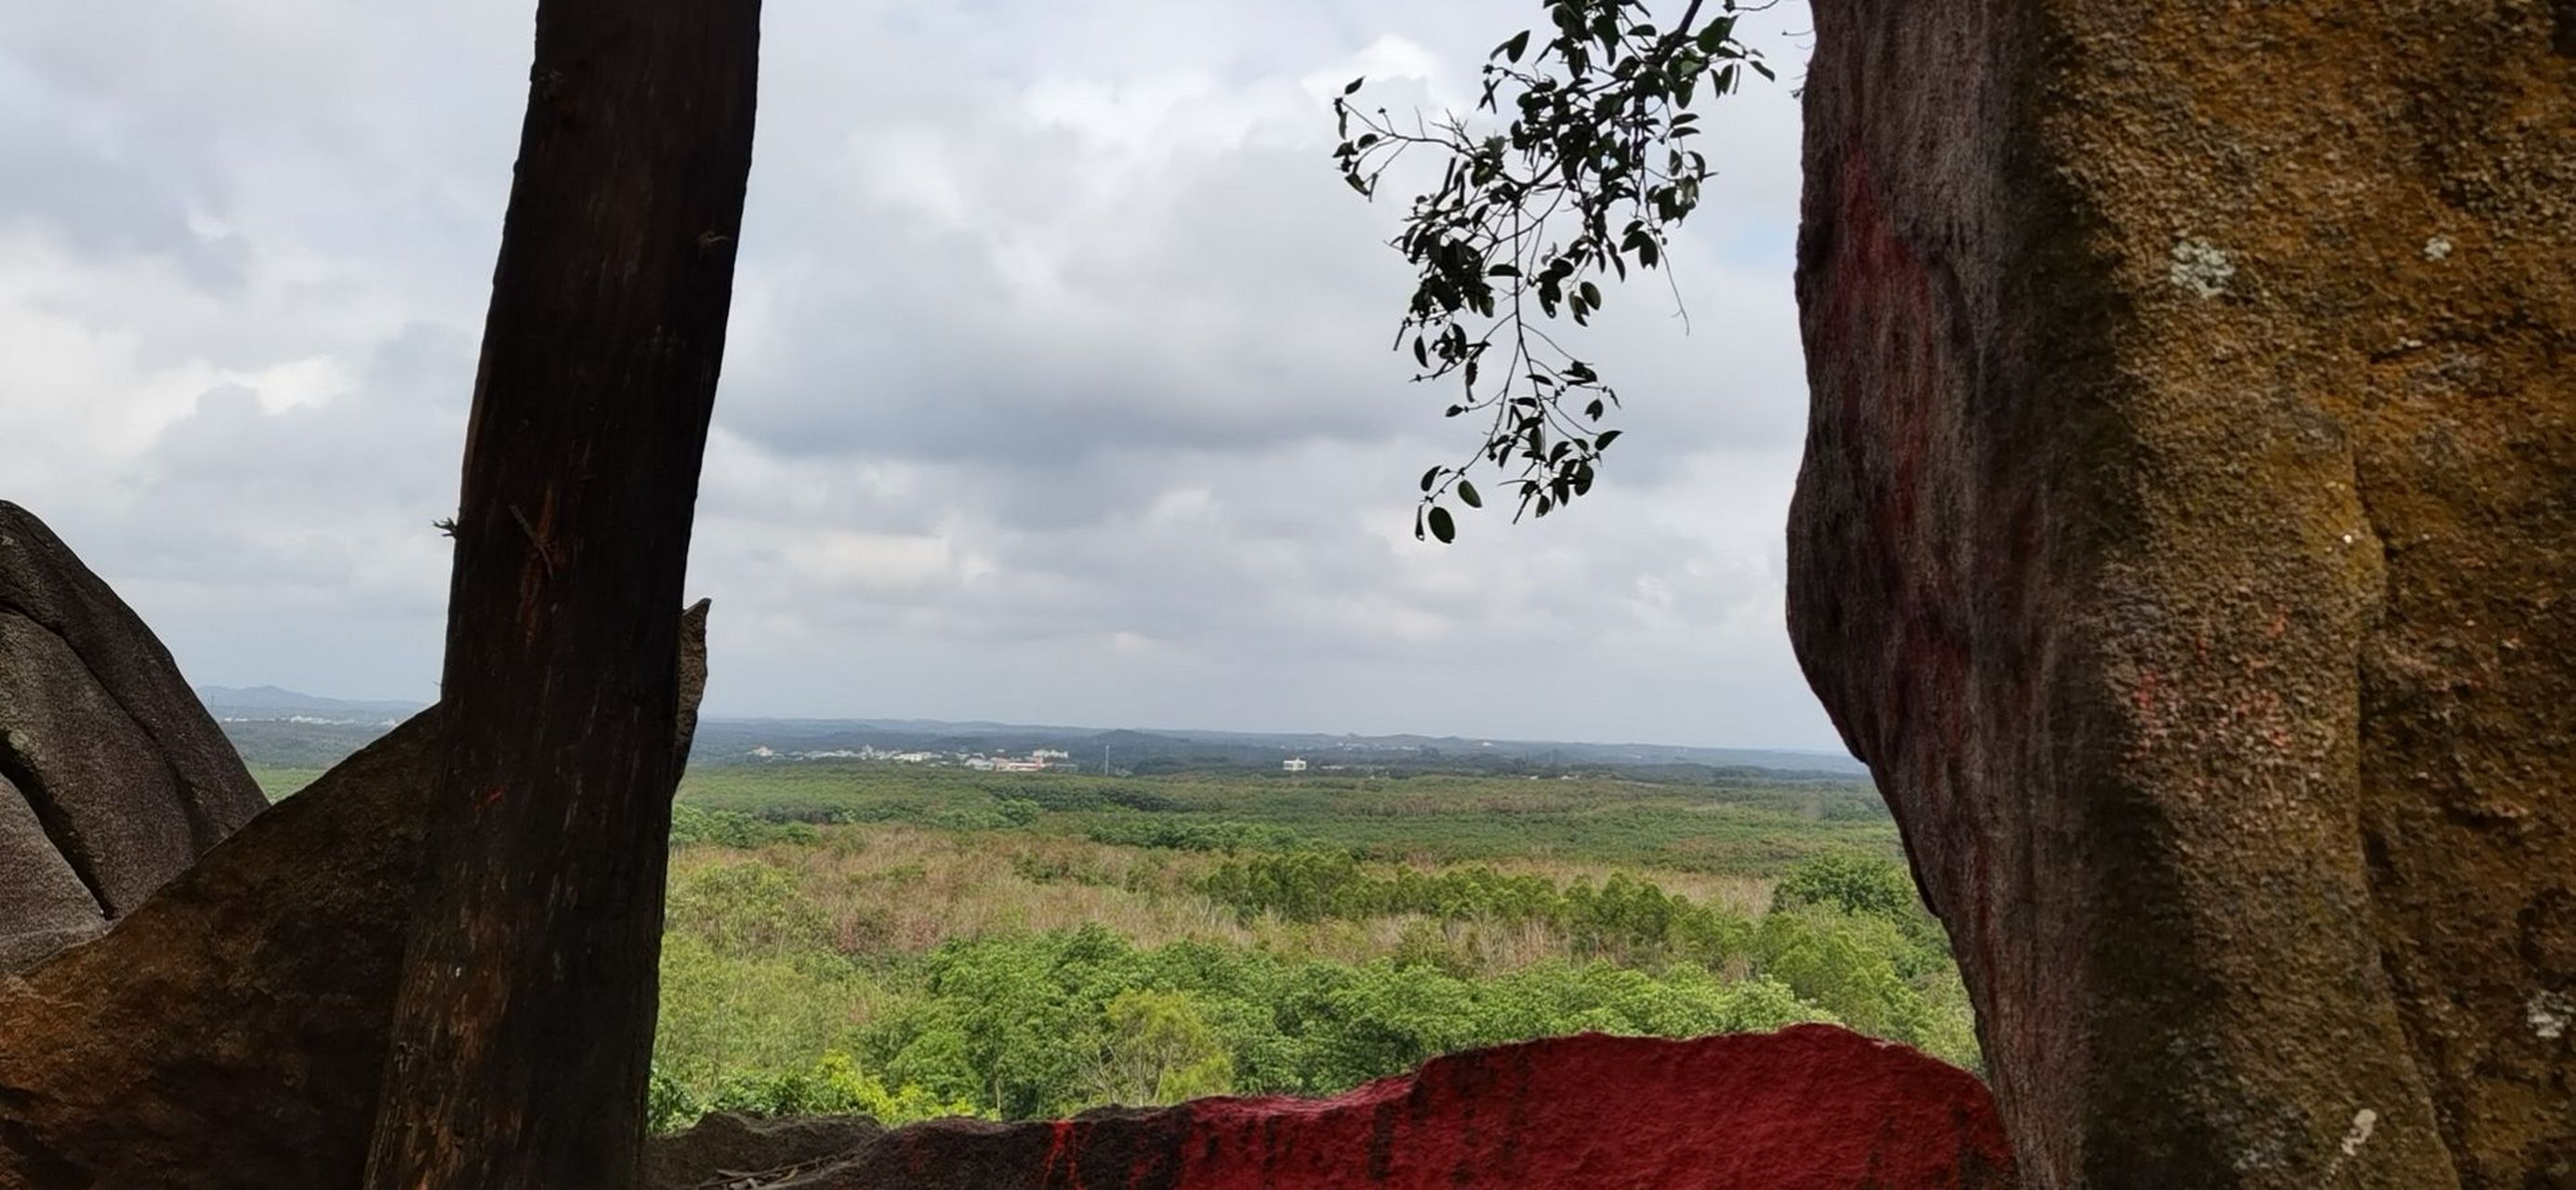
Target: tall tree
[[523, 1031]]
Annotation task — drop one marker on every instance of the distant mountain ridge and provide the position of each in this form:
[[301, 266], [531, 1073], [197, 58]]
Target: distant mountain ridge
[[718, 739], [271, 702], [743, 741]]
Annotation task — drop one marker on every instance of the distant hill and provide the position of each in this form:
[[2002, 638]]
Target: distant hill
[[283, 728], [733, 741], [269, 702]]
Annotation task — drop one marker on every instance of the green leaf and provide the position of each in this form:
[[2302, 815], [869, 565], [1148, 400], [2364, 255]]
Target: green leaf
[[1591, 295], [1355, 84], [1441, 526], [1431, 476], [1713, 37], [1602, 442], [1512, 49], [1467, 495]]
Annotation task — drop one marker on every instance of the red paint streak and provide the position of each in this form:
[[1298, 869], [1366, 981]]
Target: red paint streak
[[490, 798], [1061, 1147], [1809, 1107]]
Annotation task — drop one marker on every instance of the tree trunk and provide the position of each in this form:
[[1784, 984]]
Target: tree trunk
[[524, 1028]]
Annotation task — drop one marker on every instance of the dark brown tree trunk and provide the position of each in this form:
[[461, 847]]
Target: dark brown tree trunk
[[524, 1028]]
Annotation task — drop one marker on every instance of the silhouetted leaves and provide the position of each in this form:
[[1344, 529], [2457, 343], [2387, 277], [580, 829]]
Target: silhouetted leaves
[[1587, 175]]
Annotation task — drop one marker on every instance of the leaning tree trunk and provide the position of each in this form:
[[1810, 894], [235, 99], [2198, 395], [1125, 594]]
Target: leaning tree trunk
[[524, 1026]]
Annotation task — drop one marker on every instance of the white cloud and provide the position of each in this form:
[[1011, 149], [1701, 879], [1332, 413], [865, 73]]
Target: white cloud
[[1057, 385]]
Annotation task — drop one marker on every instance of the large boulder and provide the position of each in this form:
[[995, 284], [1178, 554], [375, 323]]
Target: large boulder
[[113, 778], [229, 1033], [2187, 540], [1809, 1107]]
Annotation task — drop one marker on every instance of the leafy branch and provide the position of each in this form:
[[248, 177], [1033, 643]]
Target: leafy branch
[[1588, 177]]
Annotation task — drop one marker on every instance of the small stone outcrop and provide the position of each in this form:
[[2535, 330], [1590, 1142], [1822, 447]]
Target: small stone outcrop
[[1809, 1108], [2187, 541], [113, 778], [731, 1147], [228, 1034]]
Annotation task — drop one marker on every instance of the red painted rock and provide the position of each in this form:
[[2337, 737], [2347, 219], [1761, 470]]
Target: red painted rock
[[1809, 1108], [2187, 540]]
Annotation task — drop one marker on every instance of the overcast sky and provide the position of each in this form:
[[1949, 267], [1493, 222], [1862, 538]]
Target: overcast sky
[[1057, 388]]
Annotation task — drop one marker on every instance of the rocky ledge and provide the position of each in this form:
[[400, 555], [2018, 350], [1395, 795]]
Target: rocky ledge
[[1808, 1107]]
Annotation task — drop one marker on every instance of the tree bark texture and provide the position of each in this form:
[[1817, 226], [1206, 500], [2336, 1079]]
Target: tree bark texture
[[523, 1031]]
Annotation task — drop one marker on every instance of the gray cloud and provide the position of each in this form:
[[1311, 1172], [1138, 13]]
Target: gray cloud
[[1057, 391]]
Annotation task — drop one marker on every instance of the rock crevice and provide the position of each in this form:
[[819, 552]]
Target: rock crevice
[[114, 777]]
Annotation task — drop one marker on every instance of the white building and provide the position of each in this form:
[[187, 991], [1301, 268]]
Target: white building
[[1292, 766]]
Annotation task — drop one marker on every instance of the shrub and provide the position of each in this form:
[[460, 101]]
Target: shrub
[[745, 909], [732, 828], [1625, 919], [1160, 1049], [1227, 837], [1851, 882], [832, 1086]]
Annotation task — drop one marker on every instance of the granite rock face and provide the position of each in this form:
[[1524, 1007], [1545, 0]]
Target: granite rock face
[[2187, 540], [1809, 1108], [113, 778], [230, 1032]]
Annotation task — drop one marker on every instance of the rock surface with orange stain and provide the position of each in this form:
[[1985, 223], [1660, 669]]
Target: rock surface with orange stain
[[1812, 1107], [2187, 540]]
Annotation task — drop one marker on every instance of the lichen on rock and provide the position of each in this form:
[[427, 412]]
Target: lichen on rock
[[2185, 539]]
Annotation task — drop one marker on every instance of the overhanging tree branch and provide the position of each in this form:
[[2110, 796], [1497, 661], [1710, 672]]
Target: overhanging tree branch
[[1591, 173]]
